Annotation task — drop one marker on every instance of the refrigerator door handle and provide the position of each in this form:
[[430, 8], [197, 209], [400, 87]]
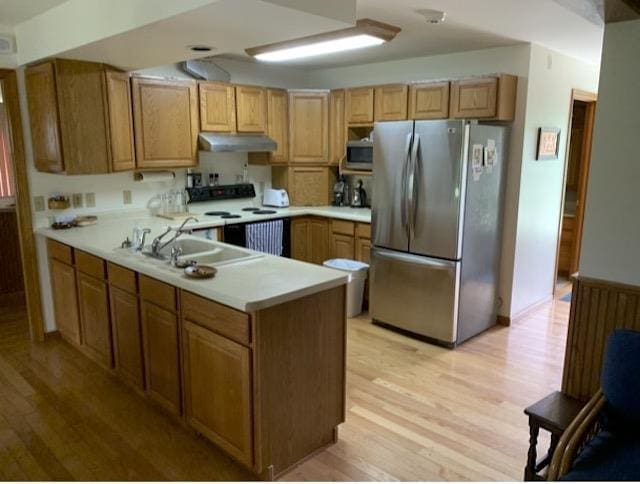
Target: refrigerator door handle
[[414, 259], [404, 213], [412, 178]]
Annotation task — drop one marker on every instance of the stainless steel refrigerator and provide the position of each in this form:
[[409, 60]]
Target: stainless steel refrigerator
[[438, 191]]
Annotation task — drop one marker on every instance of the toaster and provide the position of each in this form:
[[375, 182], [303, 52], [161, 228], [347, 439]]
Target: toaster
[[275, 198]]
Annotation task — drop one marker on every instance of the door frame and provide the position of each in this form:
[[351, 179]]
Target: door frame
[[591, 99], [28, 252]]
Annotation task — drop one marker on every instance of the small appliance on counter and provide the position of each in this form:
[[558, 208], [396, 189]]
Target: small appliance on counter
[[359, 197], [340, 193], [275, 198]]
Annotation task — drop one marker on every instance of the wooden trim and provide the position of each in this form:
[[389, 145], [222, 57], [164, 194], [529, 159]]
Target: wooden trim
[[503, 320], [12, 299], [23, 206]]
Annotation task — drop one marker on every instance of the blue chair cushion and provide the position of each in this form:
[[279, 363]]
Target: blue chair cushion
[[607, 457], [620, 380]]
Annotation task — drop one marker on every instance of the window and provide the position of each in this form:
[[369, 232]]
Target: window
[[6, 166]]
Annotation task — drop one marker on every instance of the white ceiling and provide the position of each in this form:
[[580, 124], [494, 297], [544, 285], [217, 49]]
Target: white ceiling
[[470, 25], [13, 12]]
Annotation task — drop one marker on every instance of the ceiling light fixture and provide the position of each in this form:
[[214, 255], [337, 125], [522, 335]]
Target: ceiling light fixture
[[433, 17], [366, 33]]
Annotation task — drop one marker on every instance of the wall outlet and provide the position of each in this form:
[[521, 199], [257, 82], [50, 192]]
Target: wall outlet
[[90, 199], [126, 197], [77, 200], [38, 203]]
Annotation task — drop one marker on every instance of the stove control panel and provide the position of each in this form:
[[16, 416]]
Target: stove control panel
[[221, 192]]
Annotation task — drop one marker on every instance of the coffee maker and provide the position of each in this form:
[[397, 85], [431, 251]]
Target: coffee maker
[[359, 197], [340, 193]]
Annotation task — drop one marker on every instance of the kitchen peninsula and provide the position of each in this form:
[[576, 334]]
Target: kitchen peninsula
[[253, 359]]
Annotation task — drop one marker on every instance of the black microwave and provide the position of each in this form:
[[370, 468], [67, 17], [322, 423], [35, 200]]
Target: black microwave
[[360, 155]]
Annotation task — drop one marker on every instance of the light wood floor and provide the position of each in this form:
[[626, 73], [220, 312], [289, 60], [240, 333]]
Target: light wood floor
[[414, 411]]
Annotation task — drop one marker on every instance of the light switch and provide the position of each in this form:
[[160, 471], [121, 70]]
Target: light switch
[[90, 199], [77, 200], [38, 203]]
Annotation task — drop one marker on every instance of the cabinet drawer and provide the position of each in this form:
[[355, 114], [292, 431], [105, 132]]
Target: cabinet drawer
[[157, 292], [342, 227], [60, 252], [216, 317], [90, 264], [122, 278], [363, 231]]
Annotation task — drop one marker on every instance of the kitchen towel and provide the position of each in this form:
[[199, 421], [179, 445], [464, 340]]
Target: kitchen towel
[[265, 236]]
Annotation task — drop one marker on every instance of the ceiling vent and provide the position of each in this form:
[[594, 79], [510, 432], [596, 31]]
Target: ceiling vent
[[6, 44]]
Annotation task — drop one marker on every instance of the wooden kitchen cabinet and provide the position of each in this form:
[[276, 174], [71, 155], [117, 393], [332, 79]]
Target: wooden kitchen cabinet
[[309, 126], [75, 113], [342, 246], [299, 236], [93, 298], [165, 115], [217, 107], [251, 109], [490, 97], [429, 100], [277, 129], [337, 126], [391, 102], [307, 185], [363, 250], [310, 240], [217, 389], [359, 105], [65, 299]]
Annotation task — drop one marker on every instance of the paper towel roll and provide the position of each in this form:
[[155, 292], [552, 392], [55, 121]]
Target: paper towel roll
[[153, 176]]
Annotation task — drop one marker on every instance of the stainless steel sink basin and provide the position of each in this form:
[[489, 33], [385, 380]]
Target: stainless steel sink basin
[[223, 254], [188, 246]]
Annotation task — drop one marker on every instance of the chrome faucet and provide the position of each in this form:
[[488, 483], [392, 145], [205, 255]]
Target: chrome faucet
[[157, 245]]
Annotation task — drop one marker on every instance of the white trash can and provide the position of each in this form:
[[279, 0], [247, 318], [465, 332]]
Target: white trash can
[[355, 287]]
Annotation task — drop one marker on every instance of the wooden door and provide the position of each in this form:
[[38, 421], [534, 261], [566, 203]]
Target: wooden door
[[429, 100], [65, 300], [300, 239], [127, 335], [218, 390], [122, 147], [166, 122], [93, 301], [359, 105], [391, 102], [251, 109], [309, 126], [43, 117], [278, 123], [319, 244], [161, 355], [474, 98], [217, 107], [342, 246], [337, 127], [310, 185]]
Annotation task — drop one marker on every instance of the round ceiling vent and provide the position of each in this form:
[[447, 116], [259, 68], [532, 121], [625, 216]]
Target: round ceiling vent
[[433, 17]]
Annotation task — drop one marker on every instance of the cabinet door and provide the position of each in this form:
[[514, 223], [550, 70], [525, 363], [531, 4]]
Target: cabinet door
[[217, 107], [120, 121], [475, 98], [342, 246], [127, 337], [319, 244], [309, 126], [166, 122], [299, 239], [251, 109], [429, 100], [217, 388], [278, 123], [309, 186], [43, 117], [65, 300], [359, 105], [337, 127], [94, 318], [363, 250], [391, 102], [161, 355]]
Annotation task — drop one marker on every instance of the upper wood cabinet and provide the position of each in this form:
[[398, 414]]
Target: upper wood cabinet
[[490, 97], [337, 126], [307, 185], [123, 154], [391, 102], [165, 114], [277, 128], [429, 100], [251, 109], [309, 126], [72, 106], [359, 105], [217, 107]]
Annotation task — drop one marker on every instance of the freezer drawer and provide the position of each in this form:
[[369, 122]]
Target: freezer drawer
[[415, 293]]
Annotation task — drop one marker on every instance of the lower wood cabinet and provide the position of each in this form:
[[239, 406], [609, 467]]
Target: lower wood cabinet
[[363, 250], [342, 246], [217, 389], [94, 318], [127, 335], [310, 239], [65, 299]]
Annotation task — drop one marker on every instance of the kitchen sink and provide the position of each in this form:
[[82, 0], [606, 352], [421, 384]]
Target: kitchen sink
[[188, 246], [223, 254]]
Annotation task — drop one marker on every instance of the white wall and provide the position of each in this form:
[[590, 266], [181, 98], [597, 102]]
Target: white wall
[[611, 237]]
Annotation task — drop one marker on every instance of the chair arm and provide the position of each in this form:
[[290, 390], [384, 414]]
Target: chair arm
[[575, 436]]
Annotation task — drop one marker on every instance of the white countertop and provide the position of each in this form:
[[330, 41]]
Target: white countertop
[[246, 285]]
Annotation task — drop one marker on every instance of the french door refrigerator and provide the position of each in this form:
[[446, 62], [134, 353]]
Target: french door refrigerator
[[436, 227]]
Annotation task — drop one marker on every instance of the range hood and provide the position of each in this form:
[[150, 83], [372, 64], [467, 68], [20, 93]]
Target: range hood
[[243, 143]]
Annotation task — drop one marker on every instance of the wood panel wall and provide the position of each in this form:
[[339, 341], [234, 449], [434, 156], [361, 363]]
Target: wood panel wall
[[11, 282], [597, 308]]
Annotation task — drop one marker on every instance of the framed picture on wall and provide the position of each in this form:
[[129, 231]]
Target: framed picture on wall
[[548, 143]]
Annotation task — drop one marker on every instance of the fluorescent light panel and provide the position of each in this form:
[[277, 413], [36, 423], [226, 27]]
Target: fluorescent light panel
[[321, 48]]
